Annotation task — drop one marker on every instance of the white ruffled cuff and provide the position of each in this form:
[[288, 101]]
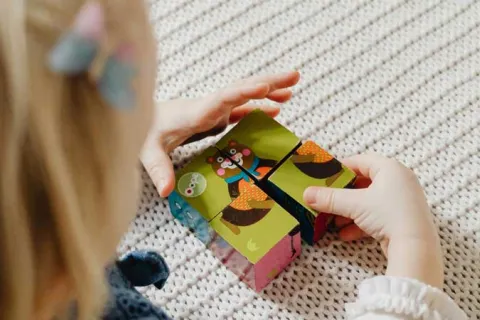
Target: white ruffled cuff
[[403, 297]]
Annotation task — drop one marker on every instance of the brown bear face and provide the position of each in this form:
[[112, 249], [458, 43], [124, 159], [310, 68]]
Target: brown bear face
[[224, 167]]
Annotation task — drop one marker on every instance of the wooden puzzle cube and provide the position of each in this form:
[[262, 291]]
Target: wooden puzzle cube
[[234, 218], [309, 165], [243, 198]]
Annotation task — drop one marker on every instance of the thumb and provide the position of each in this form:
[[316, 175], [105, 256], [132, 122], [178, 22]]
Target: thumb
[[341, 202], [159, 167]]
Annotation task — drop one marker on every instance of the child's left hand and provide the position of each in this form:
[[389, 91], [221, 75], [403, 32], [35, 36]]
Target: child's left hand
[[177, 121]]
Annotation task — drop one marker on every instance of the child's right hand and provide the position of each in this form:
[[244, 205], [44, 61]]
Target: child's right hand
[[392, 209]]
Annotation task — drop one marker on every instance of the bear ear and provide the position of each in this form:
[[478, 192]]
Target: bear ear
[[210, 160], [232, 143]]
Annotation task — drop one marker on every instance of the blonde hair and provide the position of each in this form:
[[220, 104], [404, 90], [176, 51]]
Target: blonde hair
[[62, 165]]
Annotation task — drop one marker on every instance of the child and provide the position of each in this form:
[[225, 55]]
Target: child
[[75, 108]]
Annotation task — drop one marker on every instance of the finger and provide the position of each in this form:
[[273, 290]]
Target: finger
[[256, 88], [202, 135], [281, 95], [352, 233], [159, 166], [341, 222], [342, 202], [240, 112], [236, 96], [275, 81], [367, 165]]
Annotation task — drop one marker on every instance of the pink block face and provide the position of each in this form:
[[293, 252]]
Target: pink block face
[[276, 260], [258, 276], [234, 261]]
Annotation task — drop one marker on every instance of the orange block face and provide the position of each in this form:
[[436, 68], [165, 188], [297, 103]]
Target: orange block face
[[249, 192], [313, 149]]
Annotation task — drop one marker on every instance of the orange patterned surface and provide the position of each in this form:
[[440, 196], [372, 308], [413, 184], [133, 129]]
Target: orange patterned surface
[[249, 191], [310, 147]]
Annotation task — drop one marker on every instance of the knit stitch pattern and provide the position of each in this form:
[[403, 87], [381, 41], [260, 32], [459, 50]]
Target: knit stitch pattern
[[397, 77]]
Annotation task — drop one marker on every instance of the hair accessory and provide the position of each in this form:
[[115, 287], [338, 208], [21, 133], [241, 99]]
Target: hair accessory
[[79, 49]]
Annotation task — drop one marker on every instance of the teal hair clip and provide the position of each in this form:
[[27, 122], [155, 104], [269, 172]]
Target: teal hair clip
[[77, 50]]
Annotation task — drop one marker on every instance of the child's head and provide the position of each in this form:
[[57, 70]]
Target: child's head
[[68, 159]]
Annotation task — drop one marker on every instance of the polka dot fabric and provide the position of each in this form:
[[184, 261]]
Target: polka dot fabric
[[397, 77]]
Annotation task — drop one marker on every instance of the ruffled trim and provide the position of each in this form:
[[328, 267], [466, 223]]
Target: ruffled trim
[[404, 297]]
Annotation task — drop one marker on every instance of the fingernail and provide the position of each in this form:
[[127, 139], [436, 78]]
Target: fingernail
[[160, 185], [309, 195], [290, 72]]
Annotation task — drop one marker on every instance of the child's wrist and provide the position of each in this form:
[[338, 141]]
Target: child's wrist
[[416, 258]]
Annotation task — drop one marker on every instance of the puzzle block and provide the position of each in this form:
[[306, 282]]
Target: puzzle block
[[259, 252], [309, 165], [244, 198], [201, 186], [215, 201], [257, 144]]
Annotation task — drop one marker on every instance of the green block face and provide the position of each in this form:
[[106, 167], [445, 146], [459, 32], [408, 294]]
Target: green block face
[[246, 224], [294, 182], [310, 165], [258, 141], [235, 208], [201, 186]]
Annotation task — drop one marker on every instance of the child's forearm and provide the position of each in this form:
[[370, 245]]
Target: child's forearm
[[419, 259]]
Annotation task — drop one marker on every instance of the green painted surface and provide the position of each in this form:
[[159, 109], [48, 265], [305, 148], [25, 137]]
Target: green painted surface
[[215, 194], [294, 182], [267, 138], [254, 241]]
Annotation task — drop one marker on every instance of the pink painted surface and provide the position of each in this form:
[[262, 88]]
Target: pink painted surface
[[221, 249], [276, 260], [257, 276], [249, 278], [233, 260], [246, 152]]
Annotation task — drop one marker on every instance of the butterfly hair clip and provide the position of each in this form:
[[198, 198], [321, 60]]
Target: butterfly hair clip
[[79, 51]]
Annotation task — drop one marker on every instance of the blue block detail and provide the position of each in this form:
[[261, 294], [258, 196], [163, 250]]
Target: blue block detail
[[190, 218]]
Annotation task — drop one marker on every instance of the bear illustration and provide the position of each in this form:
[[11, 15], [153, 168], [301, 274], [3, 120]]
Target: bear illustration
[[249, 203], [317, 163]]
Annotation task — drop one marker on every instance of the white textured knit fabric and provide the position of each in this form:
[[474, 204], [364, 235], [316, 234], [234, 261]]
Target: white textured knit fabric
[[392, 298], [397, 77]]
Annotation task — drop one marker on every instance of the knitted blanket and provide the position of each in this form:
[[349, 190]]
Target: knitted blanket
[[397, 77]]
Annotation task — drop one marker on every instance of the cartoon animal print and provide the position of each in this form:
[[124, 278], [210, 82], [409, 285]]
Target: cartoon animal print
[[192, 184], [317, 163], [249, 203]]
